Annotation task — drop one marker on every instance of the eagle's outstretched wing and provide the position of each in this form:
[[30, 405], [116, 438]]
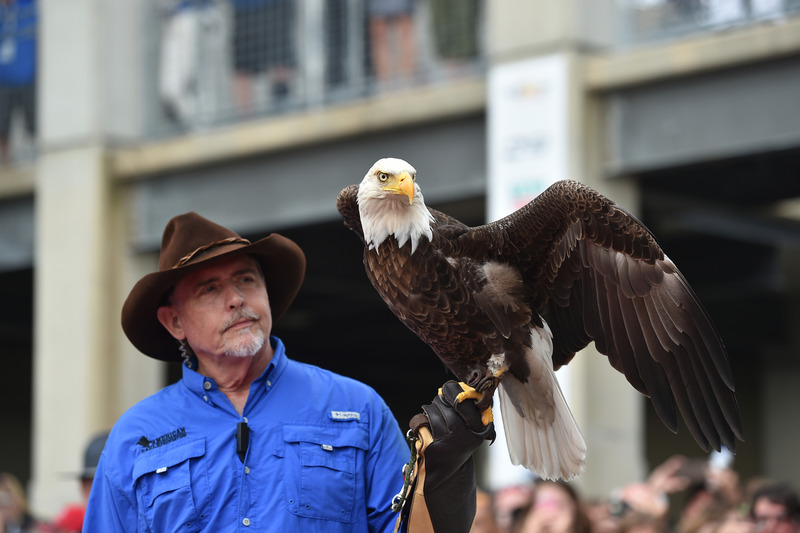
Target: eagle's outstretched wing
[[595, 273]]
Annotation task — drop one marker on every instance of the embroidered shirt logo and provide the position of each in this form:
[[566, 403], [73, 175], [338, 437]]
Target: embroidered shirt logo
[[345, 415], [148, 444]]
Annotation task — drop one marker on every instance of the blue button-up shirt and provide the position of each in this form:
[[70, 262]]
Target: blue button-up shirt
[[324, 454]]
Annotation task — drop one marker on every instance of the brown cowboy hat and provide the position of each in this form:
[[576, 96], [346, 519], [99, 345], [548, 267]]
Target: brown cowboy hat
[[189, 243]]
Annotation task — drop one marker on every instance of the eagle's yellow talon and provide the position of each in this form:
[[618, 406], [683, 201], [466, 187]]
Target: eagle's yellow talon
[[468, 394], [487, 416]]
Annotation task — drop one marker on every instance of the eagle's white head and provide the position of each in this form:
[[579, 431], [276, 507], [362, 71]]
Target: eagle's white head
[[391, 203]]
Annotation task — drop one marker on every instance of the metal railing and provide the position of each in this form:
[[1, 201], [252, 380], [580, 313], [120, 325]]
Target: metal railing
[[647, 21], [224, 61]]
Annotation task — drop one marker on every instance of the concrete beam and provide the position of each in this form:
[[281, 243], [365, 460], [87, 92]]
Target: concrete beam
[[718, 50], [427, 104]]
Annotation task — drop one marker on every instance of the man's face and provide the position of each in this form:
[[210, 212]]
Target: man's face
[[772, 517], [221, 310]]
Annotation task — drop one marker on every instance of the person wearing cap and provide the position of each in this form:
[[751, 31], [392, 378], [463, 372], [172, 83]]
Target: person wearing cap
[[248, 439], [70, 518]]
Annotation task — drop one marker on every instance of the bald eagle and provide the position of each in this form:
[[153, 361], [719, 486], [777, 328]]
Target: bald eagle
[[505, 304]]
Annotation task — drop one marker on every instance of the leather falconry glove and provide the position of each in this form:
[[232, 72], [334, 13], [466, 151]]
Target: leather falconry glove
[[442, 487]]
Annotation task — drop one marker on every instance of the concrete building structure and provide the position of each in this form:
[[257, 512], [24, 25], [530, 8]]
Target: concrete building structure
[[694, 127]]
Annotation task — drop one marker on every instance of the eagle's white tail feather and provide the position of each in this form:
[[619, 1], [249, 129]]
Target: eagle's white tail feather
[[546, 438]]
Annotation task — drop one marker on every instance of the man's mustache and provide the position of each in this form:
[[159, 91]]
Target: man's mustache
[[240, 314]]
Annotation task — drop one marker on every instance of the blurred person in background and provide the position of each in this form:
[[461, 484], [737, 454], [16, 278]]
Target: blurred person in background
[[387, 17], [642, 498], [707, 515], [734, 522], [337, 46], [263, 43], [509, 502], [70, 519], [598, 510], [18, 21], [648, 500], [555, 508], [455, 32], [713, 495], [636, 522], [14, 514], [484, 521], [775, 508], [193, 60], [177, 82]]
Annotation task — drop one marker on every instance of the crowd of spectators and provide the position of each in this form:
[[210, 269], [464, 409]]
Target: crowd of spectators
[[680, 495]]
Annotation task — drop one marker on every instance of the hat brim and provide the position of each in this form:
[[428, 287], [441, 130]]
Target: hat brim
[[282, 262], [86, 473]]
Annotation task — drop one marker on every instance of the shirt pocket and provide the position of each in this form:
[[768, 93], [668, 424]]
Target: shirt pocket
[[320, 473], [172, 486]]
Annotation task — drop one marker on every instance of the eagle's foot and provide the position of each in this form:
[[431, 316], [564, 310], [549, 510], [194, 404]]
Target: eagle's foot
[[469, 393], [482, 381], [485, 384]]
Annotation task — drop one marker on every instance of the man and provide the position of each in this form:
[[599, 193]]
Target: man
[[248, 440], [775, 508]]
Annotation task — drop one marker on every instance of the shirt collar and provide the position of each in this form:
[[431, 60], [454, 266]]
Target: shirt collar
[[196, 382], [276, 366]]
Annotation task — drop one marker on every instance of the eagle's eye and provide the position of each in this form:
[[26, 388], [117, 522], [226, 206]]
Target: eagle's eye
[[383, 176]]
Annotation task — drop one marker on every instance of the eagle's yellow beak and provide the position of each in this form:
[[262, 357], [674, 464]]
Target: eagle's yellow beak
[[402, 184]]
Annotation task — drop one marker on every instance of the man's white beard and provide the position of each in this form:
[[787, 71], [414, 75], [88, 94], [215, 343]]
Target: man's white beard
[[246, 344]]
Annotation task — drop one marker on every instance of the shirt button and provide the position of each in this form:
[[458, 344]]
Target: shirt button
[[207, 385], [245, 419], [205, 398], [269, 383], [246, 521], [247, 470]]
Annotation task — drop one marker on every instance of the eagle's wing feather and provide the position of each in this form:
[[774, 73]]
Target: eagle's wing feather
[[597, 274], [347, 205]]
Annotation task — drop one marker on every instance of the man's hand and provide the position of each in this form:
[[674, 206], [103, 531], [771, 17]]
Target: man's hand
[[457, 430], [448, 433]]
